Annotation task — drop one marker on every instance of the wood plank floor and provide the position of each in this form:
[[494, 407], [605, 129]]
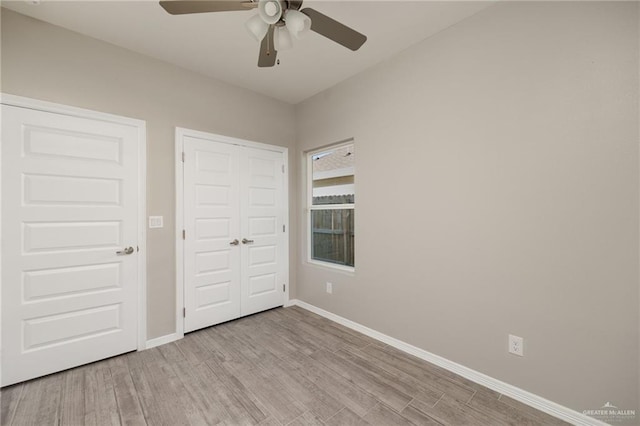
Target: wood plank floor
[[286, 366]]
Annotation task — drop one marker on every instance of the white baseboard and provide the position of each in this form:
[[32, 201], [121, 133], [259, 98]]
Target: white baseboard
[[163, 340], [291, 302], [511, 391]]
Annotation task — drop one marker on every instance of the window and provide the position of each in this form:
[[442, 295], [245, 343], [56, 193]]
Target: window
[[331, 205]]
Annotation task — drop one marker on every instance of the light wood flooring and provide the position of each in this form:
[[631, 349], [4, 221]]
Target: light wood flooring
[[286, 366]]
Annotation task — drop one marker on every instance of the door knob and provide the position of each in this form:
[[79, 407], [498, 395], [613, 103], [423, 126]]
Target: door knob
[[126, 251], [245, 241], [234, 242]]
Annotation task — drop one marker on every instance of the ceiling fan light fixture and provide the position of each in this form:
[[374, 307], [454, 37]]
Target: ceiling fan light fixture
[[297, 23], [282, 39], [257, 27], [270, 10]]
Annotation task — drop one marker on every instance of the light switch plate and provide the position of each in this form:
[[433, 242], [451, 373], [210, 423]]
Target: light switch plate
[[155, 222]]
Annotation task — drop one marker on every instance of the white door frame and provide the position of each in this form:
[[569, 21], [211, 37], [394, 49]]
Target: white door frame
[[140, 126], [180, 133]]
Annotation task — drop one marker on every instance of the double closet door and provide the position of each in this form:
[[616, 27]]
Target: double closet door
[[234, 231]]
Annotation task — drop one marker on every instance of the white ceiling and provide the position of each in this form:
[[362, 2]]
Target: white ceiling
[[218, 45]]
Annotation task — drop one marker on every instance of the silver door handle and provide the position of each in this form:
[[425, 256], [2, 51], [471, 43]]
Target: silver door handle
[[234, 242], [128, 250], [245, 241]]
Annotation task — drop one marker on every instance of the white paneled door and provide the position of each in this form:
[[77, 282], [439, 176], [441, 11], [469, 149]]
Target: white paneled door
[[69, 241], [212, 224], [262, 230], [234, 234]]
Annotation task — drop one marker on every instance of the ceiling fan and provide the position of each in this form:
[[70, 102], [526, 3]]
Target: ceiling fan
[[275, 23]]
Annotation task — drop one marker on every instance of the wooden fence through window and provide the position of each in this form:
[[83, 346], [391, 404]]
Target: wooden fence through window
[[332, 235]]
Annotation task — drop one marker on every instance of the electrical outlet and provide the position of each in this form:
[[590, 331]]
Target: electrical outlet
[[329, 288], [516, 345]]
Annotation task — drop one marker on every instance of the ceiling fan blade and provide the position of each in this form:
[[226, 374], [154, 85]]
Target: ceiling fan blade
[[268, 52], [334, 30], [178, 7]]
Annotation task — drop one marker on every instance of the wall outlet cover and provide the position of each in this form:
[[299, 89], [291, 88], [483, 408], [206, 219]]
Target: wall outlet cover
[[329, 288], [516, 345]]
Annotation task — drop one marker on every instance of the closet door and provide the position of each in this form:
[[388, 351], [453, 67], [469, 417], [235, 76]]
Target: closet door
[[235, 248], [262, 228], [212, 227]]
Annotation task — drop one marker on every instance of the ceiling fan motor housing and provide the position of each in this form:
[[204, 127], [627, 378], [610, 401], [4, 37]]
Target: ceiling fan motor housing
[[271, 10]]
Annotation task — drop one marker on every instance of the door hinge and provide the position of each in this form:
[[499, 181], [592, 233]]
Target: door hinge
[[184, 312], [283, 168], [184, 234], [284, 286], [183, 157], [283, 228]]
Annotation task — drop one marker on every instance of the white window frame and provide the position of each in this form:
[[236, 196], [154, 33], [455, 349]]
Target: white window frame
[[310, 207]]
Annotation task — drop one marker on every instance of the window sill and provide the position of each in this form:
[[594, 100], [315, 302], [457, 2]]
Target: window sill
[[350, 270]]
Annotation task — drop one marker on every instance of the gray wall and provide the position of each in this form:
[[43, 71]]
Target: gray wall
[[497, 192], [53, 64]]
